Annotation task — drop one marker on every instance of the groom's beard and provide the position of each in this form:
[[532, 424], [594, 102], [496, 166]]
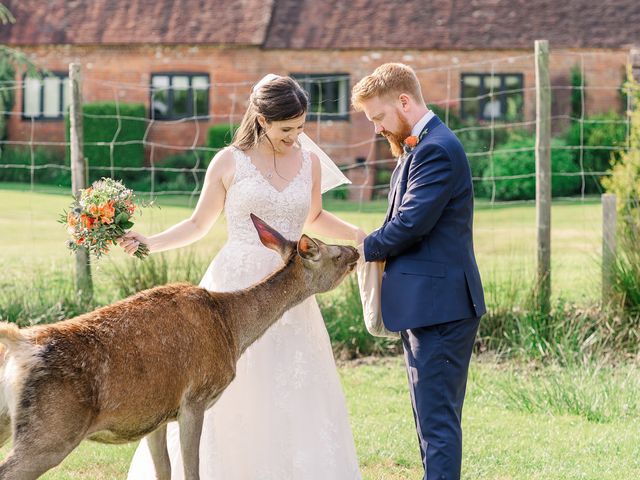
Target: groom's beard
[[396, 139]]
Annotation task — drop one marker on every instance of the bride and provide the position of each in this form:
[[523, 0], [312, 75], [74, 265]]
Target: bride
[[284, 416]]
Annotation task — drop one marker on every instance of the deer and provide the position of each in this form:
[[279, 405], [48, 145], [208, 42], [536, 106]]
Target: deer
[[123, 371]]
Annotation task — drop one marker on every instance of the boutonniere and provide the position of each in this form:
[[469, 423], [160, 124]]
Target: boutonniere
[[412, 141]]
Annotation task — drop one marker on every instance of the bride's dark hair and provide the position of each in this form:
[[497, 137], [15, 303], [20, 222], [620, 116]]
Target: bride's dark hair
[[279, 99]]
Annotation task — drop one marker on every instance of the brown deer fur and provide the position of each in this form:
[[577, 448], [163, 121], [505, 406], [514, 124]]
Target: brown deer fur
[[123, 371]]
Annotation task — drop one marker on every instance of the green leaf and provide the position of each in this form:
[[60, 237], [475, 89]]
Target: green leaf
[[122, 218]]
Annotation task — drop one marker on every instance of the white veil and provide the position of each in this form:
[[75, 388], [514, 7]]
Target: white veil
[[331, 175]]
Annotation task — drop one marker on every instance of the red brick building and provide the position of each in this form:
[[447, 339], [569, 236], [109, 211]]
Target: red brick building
[[192, 62]]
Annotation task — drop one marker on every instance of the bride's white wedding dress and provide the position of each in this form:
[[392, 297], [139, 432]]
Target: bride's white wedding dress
[[284, 416]]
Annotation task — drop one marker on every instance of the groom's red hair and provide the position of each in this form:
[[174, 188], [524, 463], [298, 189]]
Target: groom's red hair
[[388, 80]]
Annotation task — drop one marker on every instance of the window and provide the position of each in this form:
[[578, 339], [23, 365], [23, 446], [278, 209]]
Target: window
[[45, 98], [486, 96], [179, 95], [328, 95]]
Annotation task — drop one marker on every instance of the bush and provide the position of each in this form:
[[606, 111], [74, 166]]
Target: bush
[[521, 161], [624, 182], [453, 121], [477, 142], [598, 133], [21, 156], [475, 138], [221, 135], [107, 122], [577, 86], [339, 193], [193, 164]]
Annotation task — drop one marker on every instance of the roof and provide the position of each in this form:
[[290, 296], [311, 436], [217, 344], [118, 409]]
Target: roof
[[239, 22], [453, 24], [327, 24]]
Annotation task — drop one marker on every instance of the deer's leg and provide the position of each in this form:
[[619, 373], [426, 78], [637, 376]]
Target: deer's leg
[[48, 424], [190, 421], [157, 441], [34, 453], [5, 429]]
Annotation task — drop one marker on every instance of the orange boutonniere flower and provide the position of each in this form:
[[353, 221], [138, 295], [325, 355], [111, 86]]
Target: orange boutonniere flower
[[411, 141]]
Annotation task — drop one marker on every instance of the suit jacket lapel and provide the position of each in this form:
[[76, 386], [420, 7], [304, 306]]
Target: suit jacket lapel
[[395, 182], [398, 173]]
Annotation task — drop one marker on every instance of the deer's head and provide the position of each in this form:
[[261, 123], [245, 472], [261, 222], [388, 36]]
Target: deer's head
[[325, 266]]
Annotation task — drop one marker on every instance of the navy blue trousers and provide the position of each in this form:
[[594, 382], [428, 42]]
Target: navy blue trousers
[[437, 359]]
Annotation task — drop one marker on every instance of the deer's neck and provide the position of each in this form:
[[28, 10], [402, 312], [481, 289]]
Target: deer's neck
[[257, 308]]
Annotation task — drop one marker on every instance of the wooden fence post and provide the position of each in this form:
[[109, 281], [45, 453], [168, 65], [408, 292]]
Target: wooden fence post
[[543, 176], [84, 285]]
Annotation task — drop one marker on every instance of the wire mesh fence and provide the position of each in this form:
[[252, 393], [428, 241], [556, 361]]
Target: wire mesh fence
[[160, 135]]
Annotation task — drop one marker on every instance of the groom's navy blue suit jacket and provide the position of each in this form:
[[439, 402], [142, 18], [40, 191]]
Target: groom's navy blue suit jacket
[[431, 276]]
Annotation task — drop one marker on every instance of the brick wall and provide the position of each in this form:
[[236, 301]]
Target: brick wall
[[111, 72]]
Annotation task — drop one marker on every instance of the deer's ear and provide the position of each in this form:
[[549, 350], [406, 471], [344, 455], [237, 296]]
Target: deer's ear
[[308, 249], [269, 237]]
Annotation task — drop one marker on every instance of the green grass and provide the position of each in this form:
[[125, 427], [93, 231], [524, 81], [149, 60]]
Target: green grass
[[504, 237], [519, 424]]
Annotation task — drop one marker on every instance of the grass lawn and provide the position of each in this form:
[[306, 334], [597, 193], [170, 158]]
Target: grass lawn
[[520, 421], [504, 439], [504, 237]]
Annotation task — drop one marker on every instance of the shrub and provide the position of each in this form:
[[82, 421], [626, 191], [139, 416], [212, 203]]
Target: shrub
[[191, 167], [221, 135], [106, 122], [599, 134], [339, 193], [21, 156], [577, 86], [518, 158], [624, 182]]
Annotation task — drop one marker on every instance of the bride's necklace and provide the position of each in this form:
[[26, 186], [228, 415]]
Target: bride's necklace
[[274, 170]]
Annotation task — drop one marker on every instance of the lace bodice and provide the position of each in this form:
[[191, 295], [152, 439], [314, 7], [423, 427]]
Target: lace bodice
[[251, 192]]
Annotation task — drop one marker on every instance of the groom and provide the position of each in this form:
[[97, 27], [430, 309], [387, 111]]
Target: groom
[[431, 288]]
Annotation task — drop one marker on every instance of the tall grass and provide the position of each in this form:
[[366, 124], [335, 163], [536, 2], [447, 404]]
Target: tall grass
[[134, 276], [512, 328], [598, 392], [39, 297], [568, 334], [342, 313]]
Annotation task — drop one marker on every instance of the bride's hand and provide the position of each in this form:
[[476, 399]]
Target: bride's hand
[[131, 240], [360, 236]]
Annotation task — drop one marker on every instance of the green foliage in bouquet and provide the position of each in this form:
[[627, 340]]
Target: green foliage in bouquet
[[100, 216]]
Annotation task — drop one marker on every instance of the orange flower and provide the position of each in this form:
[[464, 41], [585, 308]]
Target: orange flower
[[106, 212], [72, 221], [94, 210], [87, 220], [80, 241], [130, 207], [411, 141]]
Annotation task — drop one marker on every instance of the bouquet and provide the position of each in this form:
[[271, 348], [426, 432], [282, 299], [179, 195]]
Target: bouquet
[[100, 216]]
